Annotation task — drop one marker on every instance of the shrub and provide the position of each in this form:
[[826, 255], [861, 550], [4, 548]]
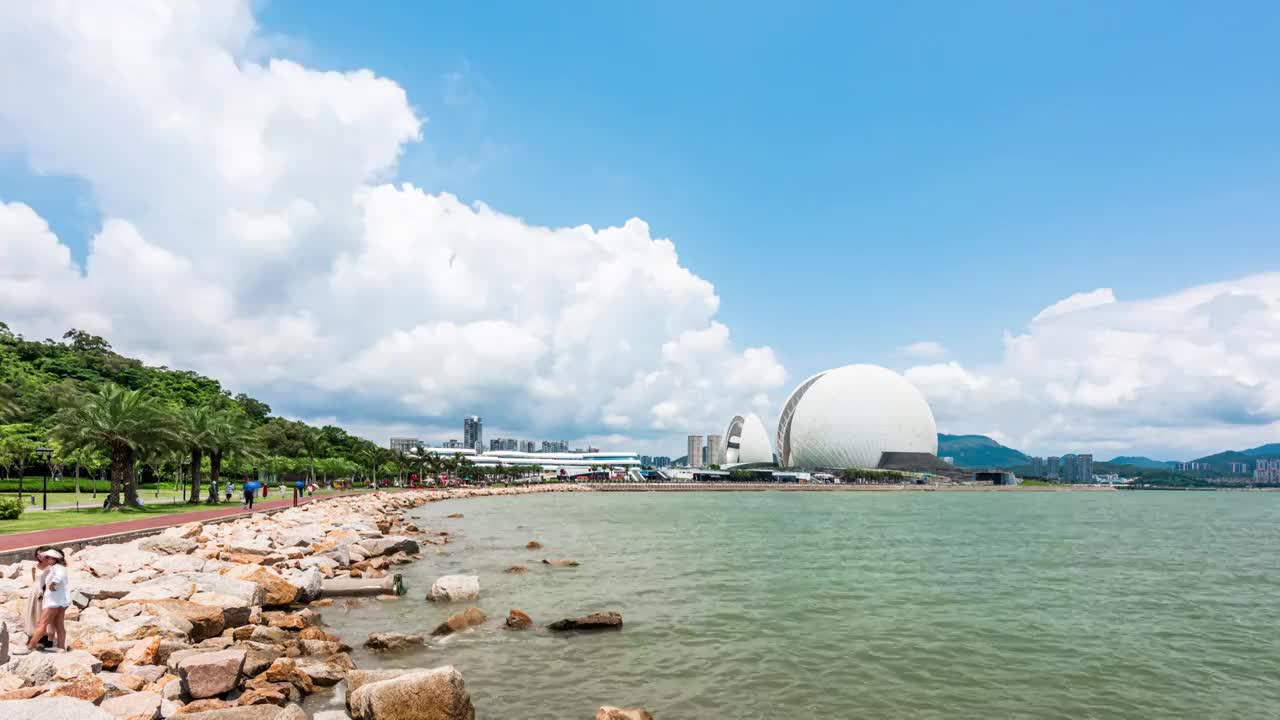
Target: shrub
[[10, 508]]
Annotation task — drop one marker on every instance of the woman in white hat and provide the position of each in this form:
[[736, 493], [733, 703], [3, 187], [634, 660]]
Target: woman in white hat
[[56, 597]]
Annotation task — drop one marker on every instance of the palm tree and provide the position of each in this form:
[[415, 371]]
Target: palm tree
[[371, 456], [8, 403], [313, 443], [120, 421], [195, 424], [230, 434]]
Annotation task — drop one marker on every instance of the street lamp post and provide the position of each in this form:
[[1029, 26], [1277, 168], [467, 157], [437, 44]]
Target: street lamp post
[[44, 454]]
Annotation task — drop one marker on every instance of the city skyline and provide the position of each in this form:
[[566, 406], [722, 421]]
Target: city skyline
[[495, 228]]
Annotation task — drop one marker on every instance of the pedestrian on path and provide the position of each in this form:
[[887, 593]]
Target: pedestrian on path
[[35, 600], [56, 596], [227, 488], [250, 489]]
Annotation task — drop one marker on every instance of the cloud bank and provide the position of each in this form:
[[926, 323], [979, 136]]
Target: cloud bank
[[1192, 372], [253, 229]]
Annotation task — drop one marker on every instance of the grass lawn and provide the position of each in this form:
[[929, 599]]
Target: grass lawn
[[93, 514]]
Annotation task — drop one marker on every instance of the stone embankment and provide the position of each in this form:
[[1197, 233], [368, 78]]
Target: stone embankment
[[224, 621]]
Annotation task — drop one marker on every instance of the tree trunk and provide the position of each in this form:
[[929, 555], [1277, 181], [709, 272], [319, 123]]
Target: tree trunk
[[215, 475], [121, 475], [197, 456]]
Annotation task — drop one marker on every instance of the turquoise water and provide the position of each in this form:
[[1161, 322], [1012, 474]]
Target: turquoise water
[[863, 605]]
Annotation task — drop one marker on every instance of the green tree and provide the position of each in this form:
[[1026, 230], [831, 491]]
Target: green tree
[[8, 403], [121, 422], [314, 445], [256, 410], [230, 434], [195, 426]]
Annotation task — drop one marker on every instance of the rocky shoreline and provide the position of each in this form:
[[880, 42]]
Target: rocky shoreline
[[225, 621]]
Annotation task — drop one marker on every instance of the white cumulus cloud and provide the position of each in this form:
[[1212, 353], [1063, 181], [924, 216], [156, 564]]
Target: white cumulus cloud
[[1193, 371], [254, 229]]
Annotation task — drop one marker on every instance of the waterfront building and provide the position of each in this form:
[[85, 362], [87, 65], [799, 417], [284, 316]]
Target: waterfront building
[[849, 417], [528, 446], [661, 461], [1051, 467], [404, 445], [715, 450], [746, 441], [504, 444], [452, 443], [694, 456], [1084, 468], [1238, 467], [473, 433], [572, 463], [1069, 471], [555, 446]]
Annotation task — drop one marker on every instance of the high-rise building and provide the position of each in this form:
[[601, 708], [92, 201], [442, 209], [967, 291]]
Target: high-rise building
[[1051, 468], [473, 433], [1037, 467], [1266, 471], [715, 450], [452, 443], [646, 461], [559, 446], [661, 461], [1084, 468], [528, 446], [404, 445], [1069, 471], [1238, 467], [695, 451], [504, 444]]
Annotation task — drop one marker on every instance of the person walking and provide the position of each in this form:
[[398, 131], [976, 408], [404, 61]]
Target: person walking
[[56, 596], [250, 489], [227, 489]]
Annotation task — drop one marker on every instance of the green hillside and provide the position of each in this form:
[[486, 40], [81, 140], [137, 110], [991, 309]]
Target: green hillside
[[1270, 450], [979, 451], [1139, 462]]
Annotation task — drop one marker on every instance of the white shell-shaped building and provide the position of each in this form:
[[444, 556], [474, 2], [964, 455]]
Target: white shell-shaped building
[[847, 417], [746, 441]]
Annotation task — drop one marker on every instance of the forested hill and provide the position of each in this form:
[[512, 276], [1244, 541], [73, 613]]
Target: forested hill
[[39, 377]]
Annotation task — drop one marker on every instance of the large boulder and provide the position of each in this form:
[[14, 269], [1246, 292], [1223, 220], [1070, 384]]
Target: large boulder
[[96, 588], [437, 694], [330, 670], [181, 563], [41, 668], [211, 674], [44, 708], [248, 593], [86, 687], [457, 622], [518, 619], [144, 652], [206, 620], [388, 545], [594, 621], [165, 587], [145, 625], [276, 590], [163, 544], [455, 588], [392, 641], [249, 712], [134, 706]]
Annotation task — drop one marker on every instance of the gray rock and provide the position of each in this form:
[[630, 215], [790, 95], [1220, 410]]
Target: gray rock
[[211, 674], [63, 708], [134, 706], [40, 668], [181, 563], [167, 545], [99, 588], [249, 712], [4, 643], [310, 581], [437, 694], [165, 587], [594, 621], [455, 588], [388, 545], [247, 592], [330, 715]]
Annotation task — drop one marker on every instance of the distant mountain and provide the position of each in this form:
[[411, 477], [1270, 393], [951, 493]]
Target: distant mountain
[[1139, 461], [1268, 450], [1221, 461], [979, 451]]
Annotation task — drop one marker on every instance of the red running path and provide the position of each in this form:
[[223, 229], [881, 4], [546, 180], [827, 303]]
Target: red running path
[[61, 536]]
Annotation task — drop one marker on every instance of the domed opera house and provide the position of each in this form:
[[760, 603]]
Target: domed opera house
[[851, 416], [746, 442]]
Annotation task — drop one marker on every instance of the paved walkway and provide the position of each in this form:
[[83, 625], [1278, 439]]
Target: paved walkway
[[60, 536]]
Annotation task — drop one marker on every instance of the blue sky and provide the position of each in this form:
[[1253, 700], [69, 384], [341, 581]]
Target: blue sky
[[853, 178], [850, 178]]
